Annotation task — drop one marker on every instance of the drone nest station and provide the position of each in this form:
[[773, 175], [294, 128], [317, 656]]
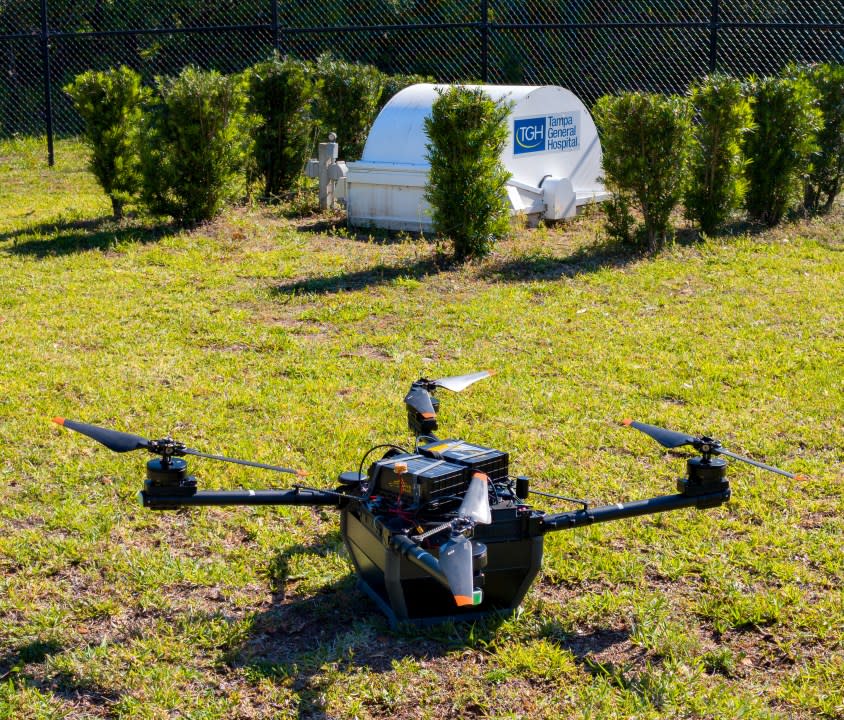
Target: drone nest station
[[442, 531]]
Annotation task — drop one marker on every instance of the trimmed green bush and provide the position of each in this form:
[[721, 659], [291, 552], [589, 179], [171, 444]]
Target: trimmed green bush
[[716, 182], [110, 105], [826, 174], [195, 145], [644, 140], [467, 182], [780, 147], [347, 103], [281, 93]]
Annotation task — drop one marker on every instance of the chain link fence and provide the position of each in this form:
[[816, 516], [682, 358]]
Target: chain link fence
[[592, 47]]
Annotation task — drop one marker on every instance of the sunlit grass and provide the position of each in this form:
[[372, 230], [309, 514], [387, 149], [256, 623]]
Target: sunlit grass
[[293, 340]]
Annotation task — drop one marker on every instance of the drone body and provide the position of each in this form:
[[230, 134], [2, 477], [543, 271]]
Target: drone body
[[392, 549], [439, 532]]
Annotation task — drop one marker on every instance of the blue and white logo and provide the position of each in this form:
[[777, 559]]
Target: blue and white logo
[[549, 133], [529, 135]]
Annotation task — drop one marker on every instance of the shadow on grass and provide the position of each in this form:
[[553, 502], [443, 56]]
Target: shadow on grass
[[541, 266], [32, 652], [62, 685], [602, 255], [338, 227], [65, 238], [368, 277], [339, 631], [524, 269], [306, 642]]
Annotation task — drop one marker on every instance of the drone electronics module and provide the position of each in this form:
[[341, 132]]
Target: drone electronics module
[[442, 531]]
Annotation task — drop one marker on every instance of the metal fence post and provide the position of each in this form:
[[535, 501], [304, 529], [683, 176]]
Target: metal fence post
[[485, 40], [714, 29], [274, 13], [48, 91]]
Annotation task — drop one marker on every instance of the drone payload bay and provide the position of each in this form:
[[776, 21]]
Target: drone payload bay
[[441, 531]]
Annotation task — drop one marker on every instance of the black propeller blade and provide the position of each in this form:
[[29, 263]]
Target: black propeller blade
[[666, 438], [756, 463], [249, 463], [125, 442], [706, 445], [420, 400], [120, 442]]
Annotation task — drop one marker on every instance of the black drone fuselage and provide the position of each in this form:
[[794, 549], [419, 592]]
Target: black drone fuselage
[[393, 528]]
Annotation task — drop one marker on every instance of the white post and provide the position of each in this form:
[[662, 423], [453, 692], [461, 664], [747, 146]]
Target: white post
[[326, 156]]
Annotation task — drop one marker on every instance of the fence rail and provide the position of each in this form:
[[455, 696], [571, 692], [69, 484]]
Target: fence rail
[[591, 47]]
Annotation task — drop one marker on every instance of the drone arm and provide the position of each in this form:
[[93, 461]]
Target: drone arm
[[165, 498], [619, 511]]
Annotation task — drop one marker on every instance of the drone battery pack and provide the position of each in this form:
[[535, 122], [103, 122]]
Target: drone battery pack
[[494, 463], [424, 480]]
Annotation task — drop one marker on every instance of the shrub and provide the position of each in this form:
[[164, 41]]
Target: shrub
[[779, 149], [467, 182], [826, 174], [347, 102], [716, 183], [281, 92], [110, 105], [195, 145], [644, 139]]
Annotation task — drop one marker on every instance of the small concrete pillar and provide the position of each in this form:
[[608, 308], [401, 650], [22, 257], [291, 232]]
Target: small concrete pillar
[[326, 156]]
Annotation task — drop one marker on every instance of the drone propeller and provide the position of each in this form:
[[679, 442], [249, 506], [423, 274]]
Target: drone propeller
[[666, 438], [475, 505], [120, 442], [126, 442], [456, 564], [419, 399], [706, 445], [456, 552], [458, 383]]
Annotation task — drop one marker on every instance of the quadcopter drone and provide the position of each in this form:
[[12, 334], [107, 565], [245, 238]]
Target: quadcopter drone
[[441, 531]]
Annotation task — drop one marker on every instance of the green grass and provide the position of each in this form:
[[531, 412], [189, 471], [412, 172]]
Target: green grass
[[292, 340]]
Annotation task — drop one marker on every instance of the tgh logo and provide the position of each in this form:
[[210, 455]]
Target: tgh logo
[[549, 133], [529, 135]]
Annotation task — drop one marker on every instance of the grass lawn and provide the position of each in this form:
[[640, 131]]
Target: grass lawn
[[292, 341]]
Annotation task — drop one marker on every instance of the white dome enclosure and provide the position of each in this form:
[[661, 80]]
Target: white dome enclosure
[[552, 152]]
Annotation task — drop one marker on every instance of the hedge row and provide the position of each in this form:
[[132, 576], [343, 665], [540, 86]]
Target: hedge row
[[189, 145], [767, 146]]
